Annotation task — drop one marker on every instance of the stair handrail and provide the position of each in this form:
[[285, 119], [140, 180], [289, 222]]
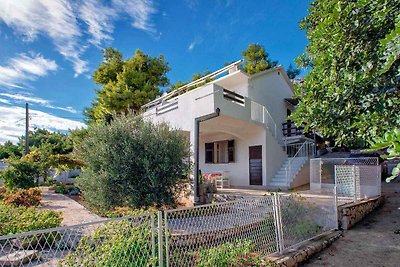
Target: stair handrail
[[306, 150]]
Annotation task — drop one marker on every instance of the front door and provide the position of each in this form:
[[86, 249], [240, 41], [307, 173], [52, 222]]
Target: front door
[[255, 165]]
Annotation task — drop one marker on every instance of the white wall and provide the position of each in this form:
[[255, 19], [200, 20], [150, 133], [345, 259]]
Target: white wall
[[193, 104], [239, 170], [270, 90]]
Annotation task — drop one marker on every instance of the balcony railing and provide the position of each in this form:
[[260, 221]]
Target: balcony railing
[[289, 129], [232, 96]]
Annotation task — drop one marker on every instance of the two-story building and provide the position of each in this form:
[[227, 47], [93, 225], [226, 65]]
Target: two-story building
[[238, 125]]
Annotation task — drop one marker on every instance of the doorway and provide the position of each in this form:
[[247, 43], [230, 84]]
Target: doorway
[[255, 165]]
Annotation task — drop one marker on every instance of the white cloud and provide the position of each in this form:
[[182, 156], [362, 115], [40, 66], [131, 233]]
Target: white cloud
[[4, 101], [99, 19], [197, 40], [25, 68], [36, 100], [140, 12], [60, 21], [12, 124], [52, 18]]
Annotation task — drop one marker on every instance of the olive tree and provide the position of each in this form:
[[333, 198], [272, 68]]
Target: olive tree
[[133, 162]]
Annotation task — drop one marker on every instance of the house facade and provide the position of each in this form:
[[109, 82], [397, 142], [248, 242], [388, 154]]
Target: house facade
[[237, 124]]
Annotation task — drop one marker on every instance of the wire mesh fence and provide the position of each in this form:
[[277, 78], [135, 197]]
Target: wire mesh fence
[[262, 225], [354, 178], [196, 236], [126, 241], [191, 233], [304, 218]]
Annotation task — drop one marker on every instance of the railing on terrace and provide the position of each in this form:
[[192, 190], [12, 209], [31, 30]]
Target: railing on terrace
[[289, 129], [232, 96], [261, 114], [183, 89], [179, 237]]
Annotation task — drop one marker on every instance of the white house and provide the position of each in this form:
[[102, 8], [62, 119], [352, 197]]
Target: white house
[[237, 125]]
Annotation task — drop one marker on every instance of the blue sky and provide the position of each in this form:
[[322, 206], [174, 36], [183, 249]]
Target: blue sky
[[49, 49]]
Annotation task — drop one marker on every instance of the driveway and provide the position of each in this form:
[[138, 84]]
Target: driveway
[[375, 241], [73, 212]]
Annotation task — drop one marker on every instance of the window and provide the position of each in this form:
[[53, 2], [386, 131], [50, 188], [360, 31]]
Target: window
[[209, 152], [220, 152]]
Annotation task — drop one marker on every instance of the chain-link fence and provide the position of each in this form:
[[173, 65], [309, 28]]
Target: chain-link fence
[[127, 241], [355, 178], [304, 218], [196, 236], [261, 226]]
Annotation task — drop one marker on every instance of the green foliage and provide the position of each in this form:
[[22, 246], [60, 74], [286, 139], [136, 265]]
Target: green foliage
[[15, 220], [351, 92], [297, 220], [127, 211], [120, 243], [256, 59], [195, 77], [61, 189], [227, 254], [58, 143], [20, 173], [292, 72], [126, 85], [390, 141], [24, 197], [8, 149], [131, 162]]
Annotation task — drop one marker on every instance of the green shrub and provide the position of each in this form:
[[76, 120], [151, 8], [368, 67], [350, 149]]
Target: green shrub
[[19, 174], [121, 243], [127, 211], [61, 189], [134, 163], [15, 220], [227, 254], [24, 197], [297, 216]]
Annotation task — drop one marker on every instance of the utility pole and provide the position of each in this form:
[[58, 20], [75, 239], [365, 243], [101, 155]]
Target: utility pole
[[26, 128]]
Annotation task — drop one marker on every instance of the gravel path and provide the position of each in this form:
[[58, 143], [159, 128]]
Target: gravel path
[[73, 212], [375, 241]]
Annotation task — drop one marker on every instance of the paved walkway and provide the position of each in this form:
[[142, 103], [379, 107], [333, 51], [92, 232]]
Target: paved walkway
[[375, 241], [73, 212]]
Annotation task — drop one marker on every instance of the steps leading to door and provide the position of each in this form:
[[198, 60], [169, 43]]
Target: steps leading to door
[[279, 180]]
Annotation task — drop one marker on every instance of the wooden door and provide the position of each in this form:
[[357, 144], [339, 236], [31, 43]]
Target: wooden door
[[255, 165]]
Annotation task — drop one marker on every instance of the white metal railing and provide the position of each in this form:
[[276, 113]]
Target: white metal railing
[[192, 84], [261, 114], [297, 152]]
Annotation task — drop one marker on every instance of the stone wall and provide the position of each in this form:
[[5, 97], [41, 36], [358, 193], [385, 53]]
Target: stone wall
[[350, 214], [298, 254]]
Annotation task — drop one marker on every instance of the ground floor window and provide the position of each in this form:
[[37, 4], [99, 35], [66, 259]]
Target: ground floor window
[[220, 152]]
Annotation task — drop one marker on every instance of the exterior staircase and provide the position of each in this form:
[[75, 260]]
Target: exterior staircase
[[279, 180], [298, 156]]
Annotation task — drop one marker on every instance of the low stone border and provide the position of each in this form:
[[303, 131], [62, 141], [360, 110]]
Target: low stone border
[[304, 251], [352, 213]]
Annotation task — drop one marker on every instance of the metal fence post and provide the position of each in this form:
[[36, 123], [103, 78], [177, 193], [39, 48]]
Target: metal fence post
[[166, 238], [336, 206], [160, 239], [278, 223], [354, 184], [153, 241]]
